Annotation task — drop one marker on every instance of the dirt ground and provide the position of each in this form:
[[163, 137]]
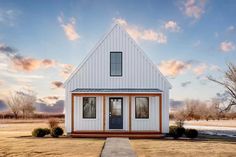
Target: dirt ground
[[202, 147], [15, 141]]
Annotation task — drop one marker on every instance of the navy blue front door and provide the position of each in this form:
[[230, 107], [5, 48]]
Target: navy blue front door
[[116, 113]]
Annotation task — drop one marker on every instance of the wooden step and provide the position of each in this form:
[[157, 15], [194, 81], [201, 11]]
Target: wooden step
[[117, 132], [133, 136]]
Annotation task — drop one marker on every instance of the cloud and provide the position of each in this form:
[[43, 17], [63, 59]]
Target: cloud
[[227, 46], [231, 28], [22, 63], [49, 100], [173, 68], [8, 17], [57, 107], [66, 70], [193, 8], [172, 26], [3, 106], [69, 28], [138, 33], [57, 84], [175, 105], [184, 84], [200, 69], [2, 82]]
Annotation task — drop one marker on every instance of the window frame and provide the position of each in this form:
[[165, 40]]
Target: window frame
[[95, 108], [121, 73], [136, 108]]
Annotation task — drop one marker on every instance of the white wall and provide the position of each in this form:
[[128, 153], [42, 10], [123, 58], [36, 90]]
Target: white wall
[[138, 72], [150, 124], [87, 124]]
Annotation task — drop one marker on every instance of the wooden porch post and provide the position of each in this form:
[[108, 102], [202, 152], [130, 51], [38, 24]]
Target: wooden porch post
[[72, 112], [160, 112], [130, 113], [104, 112]]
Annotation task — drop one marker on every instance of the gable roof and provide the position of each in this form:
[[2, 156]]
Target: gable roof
[[101, 41]]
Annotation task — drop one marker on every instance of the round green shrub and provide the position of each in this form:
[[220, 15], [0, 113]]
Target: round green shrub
[[56, 132], [47, 131], [176, 131], [38, 132], [191, 133]]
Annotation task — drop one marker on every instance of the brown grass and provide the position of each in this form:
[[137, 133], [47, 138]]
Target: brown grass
[[185, 148], [14, 142]]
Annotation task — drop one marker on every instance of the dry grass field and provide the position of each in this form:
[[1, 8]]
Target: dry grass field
[[15, 141], [203, 147]]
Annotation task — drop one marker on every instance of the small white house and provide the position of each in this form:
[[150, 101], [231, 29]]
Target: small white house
[[116, 89]]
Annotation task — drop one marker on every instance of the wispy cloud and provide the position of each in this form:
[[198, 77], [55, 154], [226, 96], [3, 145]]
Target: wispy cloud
[[66, 70], [1, 82], [139, 33], [231, 28], [184, 84], [23, 63], [173, 68], [172, 26], [227, 46], [57, 84], [8, 17], [69, 28], [193, 8], [200, 69]]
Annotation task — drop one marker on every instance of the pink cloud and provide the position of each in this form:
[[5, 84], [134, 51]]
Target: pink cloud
[[227, 46], [138, 33]]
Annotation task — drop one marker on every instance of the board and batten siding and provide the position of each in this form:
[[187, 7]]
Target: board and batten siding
[[137, 71], [149, 124], [81, 123]]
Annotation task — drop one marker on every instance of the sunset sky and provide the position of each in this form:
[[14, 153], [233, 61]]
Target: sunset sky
[[42, 41]]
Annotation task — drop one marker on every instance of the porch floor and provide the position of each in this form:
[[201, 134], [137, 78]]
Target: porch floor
[[127, 134]]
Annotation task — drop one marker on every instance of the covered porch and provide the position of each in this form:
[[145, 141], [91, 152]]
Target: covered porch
[[133, 113]]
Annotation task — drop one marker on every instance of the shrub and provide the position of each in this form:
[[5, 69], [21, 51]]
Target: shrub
[[53, 123], [191, 133], [176, 131], [47, 131], [56, 132], [38, 132]]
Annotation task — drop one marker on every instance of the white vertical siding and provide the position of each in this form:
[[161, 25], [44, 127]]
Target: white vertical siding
[[138, 72], [152, 123], [87, 124]]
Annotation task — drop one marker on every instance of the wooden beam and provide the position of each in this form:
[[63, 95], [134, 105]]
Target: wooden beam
[[104, 112], [130, 116], [160, 112], [72, 112], [117, 94]]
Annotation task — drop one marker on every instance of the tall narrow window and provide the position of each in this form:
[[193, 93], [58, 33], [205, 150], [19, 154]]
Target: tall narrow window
[[141, 107], [115, 63], [89, 107]]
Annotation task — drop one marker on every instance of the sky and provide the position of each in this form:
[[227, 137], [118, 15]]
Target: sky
[[41, 42]]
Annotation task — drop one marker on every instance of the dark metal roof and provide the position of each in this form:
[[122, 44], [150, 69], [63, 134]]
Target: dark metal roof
[[116, 90]]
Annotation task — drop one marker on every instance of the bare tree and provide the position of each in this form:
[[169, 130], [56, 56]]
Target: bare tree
[[229, 83], [13, 102], [21, 102]]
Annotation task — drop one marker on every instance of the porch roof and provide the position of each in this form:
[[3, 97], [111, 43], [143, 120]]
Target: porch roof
[[116, 90]]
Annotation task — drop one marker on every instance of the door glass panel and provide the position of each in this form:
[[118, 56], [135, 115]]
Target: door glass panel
[[116, 107]]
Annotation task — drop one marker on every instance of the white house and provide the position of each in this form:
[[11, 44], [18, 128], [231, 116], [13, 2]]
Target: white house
[[116, 89]]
